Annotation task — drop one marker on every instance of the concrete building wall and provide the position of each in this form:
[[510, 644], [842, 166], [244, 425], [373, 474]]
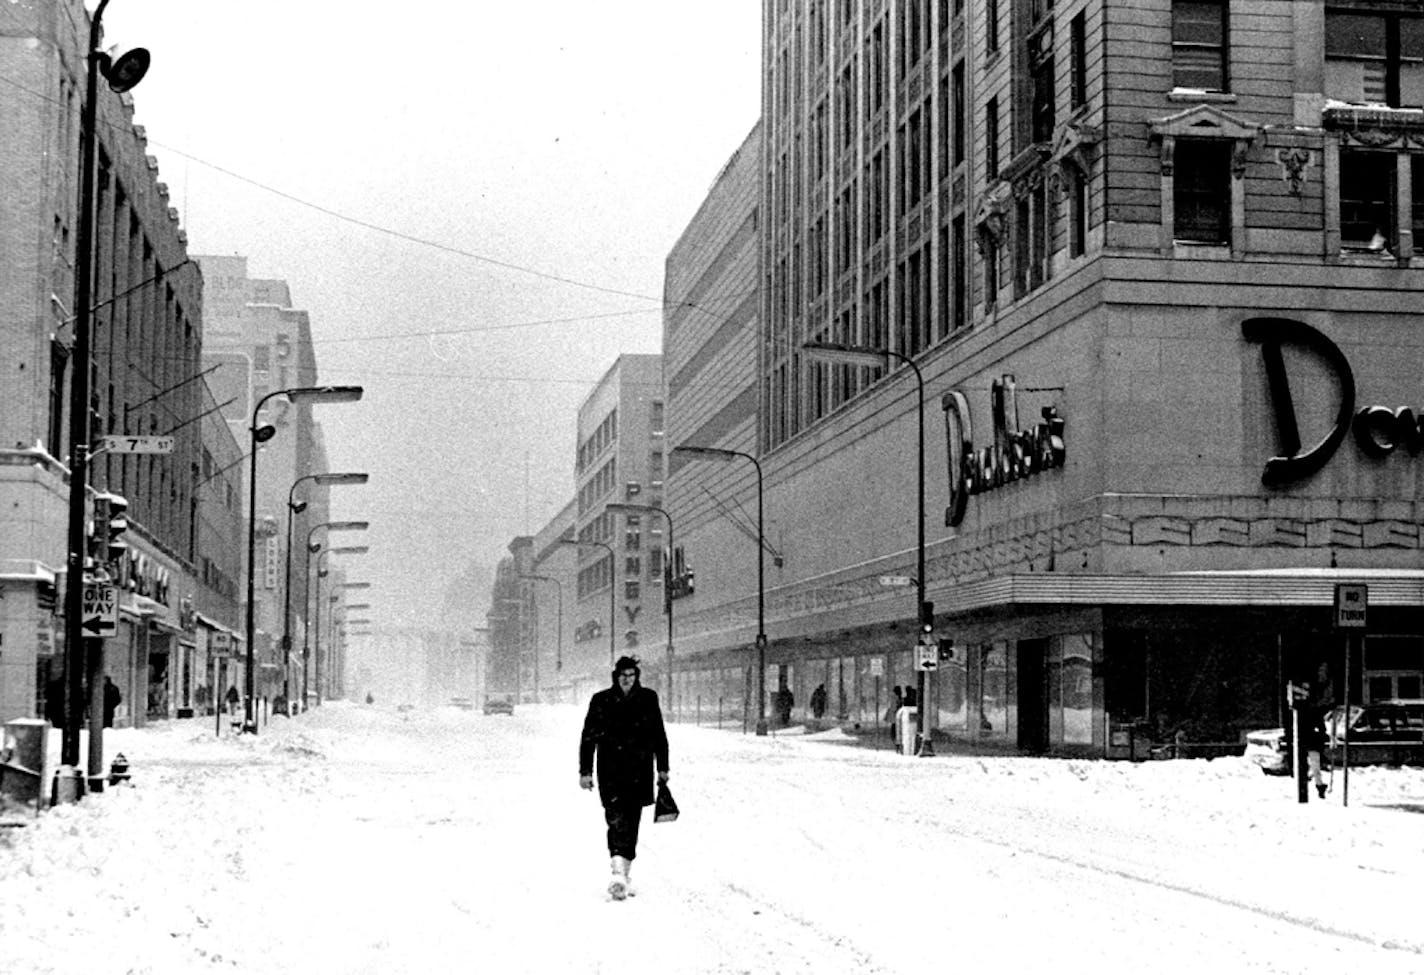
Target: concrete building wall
[[257, 345], [1098, 253], [712, 294], [145, 339]]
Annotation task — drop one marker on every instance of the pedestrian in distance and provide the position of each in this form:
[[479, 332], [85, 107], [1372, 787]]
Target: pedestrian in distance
[[624, 732], [233, 698], [112, 699], [1319, 700], [893, 711], [784, 703], [818, 701]]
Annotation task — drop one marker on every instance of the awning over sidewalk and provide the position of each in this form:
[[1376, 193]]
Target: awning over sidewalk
[[1266, 587]]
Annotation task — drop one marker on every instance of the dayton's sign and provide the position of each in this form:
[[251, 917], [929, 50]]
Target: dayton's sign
[[1011, 454], [1378, 430]]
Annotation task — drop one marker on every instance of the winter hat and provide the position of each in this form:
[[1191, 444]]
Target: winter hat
[[627, 663]]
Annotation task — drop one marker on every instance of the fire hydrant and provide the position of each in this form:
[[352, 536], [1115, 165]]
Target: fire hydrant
[[119, 769]]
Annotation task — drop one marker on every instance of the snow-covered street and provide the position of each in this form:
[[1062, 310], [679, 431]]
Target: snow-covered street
[[359, 839]]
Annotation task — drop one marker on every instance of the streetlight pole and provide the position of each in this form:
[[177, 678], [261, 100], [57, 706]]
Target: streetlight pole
[[558, 635], [316, 602], [121, 75], [876, 357], [722, 454], [296, 507], [336, 672], [667, 579], [259, 435], [612, 592], [307, 589]]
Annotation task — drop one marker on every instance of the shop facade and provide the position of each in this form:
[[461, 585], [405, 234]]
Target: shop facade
[[1138, 511]]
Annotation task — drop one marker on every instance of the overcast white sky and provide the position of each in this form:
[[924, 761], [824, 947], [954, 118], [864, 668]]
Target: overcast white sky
[[573, 139]]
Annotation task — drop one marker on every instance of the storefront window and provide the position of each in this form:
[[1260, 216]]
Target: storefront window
[[993, 689], [1077, 677], [1053, 688], [844, 678], [951, 697]]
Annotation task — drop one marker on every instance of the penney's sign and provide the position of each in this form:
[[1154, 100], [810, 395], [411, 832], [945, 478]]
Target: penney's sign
[[1378, 430]]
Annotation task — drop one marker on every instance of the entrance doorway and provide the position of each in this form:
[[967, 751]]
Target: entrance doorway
[[1033, 696]]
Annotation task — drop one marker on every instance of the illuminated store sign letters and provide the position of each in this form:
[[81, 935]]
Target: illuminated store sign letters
[[1012, 455], [1378, 430]]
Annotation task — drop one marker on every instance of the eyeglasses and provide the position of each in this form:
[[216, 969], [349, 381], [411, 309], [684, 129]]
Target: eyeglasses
[[630, 674]]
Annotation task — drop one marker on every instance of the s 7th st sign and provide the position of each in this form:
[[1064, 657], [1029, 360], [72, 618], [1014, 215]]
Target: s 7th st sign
[[136, 445]]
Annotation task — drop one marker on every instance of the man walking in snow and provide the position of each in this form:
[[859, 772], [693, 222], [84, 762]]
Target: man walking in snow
[[624, 728]]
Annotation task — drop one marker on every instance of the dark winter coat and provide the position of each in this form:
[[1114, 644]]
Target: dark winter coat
[[626, 732]]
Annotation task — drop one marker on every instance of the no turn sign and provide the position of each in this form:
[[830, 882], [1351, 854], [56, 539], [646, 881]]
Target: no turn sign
[[101, 609]]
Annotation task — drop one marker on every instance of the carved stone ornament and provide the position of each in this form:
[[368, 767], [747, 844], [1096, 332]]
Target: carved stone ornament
[[1074, 144], [1295, 161], [1372, 138], [990, 217]]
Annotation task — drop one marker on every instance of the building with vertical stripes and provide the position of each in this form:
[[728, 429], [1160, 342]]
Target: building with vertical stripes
[[1147, 272]]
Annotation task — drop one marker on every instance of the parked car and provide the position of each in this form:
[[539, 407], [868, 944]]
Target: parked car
[[463, 703], [1381, 733], [499, 704]]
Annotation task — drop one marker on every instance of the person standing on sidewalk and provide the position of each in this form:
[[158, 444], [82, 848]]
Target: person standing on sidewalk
[[624, 730]]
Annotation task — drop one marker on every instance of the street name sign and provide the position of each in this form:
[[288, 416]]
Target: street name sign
[[896, 580], [101, 609], [136, 445]]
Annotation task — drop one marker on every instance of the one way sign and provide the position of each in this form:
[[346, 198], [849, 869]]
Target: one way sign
[[101, 609]]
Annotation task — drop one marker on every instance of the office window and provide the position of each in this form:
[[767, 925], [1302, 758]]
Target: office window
[[991, 140], [912, 160], [1042, 111], [818, 157], [960, 272], [901, 156], [958, 95], [1202, 191], [1078, 52], [876, 67], [1375, 57], [990, 248], [1077, 213], [1199, 44], [845, 105], [942, 135], [991, 25], [1367, 200], [942, 284]]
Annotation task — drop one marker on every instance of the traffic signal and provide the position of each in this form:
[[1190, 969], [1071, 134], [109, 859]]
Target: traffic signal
[[117, 524], [94, 549], [946, 649], [927, 621]]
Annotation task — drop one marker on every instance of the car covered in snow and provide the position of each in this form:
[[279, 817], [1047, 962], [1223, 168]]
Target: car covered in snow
[[499, 704], [1380, 733]]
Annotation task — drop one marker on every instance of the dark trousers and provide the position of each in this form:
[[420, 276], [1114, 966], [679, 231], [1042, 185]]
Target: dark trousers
[[623, 818]]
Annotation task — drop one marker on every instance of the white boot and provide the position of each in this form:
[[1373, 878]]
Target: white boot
[[627, 878], [618, 885]]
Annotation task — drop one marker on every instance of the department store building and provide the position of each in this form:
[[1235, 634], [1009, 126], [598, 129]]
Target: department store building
[[1156, 265]]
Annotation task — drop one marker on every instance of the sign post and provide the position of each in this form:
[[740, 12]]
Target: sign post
[[1351, 605]]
